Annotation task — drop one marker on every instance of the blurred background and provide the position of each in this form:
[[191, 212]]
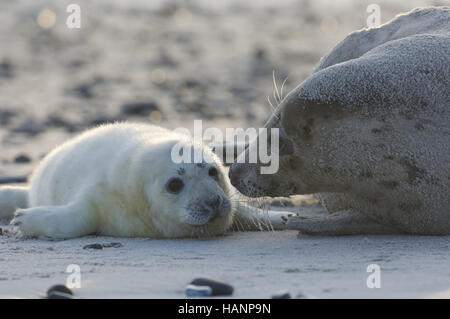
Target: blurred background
[[164, 62]]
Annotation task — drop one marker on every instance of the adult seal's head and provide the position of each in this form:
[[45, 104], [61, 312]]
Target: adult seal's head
[[369, 129]]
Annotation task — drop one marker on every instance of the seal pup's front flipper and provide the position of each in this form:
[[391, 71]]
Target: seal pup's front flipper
[[57, 222]]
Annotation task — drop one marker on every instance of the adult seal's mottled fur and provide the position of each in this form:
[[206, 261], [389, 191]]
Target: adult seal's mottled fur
[[369, 133], [120, 180]]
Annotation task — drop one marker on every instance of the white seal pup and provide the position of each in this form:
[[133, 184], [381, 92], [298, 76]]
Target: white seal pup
[[369, 131], [119, 180]]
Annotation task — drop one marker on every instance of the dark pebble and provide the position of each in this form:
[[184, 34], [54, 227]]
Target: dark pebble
[[198, 291], [84, 91], [59, 295], [139, 108], [101, 246], [60, 289], [114, 245], [6, 69], [93, 246], [1, 231], [5, 116], [282, 295], [218, 288], [28, 127], [21, 159], [13, 179]]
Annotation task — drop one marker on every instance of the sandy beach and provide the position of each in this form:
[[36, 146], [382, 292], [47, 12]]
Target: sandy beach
[[170, 63]]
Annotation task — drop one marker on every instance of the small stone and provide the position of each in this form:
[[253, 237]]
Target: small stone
[[282, 295], [13, 179], [93, 246], [22, 158], [28, 127], [198, 291], [218, 288], [59, 295], [114, 245], [5, 116], [59, 289], [1, 231], [139, 108], [84, 91]]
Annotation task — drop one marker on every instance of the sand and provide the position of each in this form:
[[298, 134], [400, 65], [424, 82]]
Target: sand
[[178, 63]]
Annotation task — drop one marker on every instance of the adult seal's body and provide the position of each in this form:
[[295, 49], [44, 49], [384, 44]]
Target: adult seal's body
[[120, 180], [369, 133]]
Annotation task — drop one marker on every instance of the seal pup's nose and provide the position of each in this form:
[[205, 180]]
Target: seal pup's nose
[[214, 203]]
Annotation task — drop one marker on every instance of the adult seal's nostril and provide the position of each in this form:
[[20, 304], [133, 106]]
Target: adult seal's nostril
[[234, 174]]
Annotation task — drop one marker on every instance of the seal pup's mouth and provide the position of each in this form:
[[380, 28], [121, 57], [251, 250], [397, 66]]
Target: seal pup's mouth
[[209, 212]]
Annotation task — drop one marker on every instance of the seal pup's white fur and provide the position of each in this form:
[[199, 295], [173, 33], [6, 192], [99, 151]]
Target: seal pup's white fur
[[114, 180]]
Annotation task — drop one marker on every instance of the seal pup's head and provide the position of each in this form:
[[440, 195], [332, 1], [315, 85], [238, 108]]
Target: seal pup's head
[[187, 199]]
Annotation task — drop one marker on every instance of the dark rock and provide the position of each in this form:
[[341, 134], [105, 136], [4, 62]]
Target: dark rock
[[93, 246], [13, 179], [60, 289], [59, 295], [218, 288], [114, 245], [282, 295], [59, 122], [6, 68], [198, 291], [5, 116], [22, 158], [139, 108], [28, 127], [84, 91], [101, 246], [1, 231]]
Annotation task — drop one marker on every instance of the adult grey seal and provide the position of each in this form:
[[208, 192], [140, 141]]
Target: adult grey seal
[[369, 133]]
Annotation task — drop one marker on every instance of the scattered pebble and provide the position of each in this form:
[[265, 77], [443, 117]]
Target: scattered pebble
[[218, 288], [139, 108], [59, 295], [22, 158], [114, 245], [28, 127], [84, 91], [6, 69], [5, 116], [60, 292], [198, 291], [13, 179], [101, 246], [282, 295], [93, 246]]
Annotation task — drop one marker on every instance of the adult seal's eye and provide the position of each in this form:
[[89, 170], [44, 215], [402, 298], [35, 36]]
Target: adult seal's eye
[[212, 172], [174, 185]]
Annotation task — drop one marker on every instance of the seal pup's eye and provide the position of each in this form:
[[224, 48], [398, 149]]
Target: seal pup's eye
[[212, 172], [174, 185]]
